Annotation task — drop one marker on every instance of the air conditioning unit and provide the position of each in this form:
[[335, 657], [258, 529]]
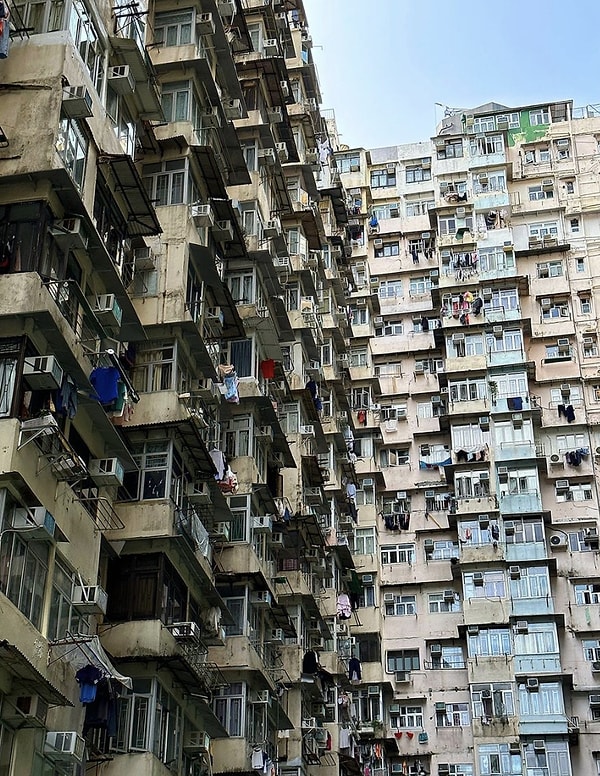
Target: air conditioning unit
[[507, 247], [429, 494], [307, 431], [282, 263], [487, 293], [368, 579], [563, 344], [443, 769], [594, 701], [484, 422], [514, 572], [486, 695], [274, 115], [458, 338], [436, 400], [473, 630], [445, 255], [563, 143], [144, 259], [478, 579], [591, 536], [198, 493], [271, 47], [596, 667], [222, 231], [497, 331], [484, 521], [514, 747], [262, 524], [426, 163], [547, 184], [555, 458], [389, 597], [196, 742], [546, 303], [43, 373], [226, 8], [221, 532], [272, 228], [25, 710], [106, 471], [539, 744], [509, 527], [210, 117], [64, 747], [282, 151], [308, 723], [461, 212], [185, 632], [205, 24], [558, 541], [70, 233], [277, 539], [261, 598], [484, 476], [533, 685], [429, 545], [419, 367], [108, 310], [36, 523], [436, 649], [565, 389], [91, 598], [401, 677], [202, 214], [121, 80], [449, 595], [232, 108], [517, 420], [561, 485], [77, 102]]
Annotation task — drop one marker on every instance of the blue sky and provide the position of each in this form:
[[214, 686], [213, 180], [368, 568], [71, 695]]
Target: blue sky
[[383, 65]]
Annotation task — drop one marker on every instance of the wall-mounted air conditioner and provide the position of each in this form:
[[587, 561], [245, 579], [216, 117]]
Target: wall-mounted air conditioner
[[65, 747], [43, 373], [106, 471], [77, 102], [121, 80], [91, 598], [108, 310]]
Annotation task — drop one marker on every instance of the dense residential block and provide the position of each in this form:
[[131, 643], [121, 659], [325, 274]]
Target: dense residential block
[[298, 449]]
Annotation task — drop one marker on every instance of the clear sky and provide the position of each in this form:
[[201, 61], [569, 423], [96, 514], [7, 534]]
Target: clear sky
[[384, 64]]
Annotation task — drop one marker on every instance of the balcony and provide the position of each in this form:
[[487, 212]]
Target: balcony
[[491, 200], [506, 357], [533, 665], [461, 364], [523, 607], [543, 724], [520, 503], [519, 451]]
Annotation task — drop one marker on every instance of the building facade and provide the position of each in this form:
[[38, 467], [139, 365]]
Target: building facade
[[266, 401]]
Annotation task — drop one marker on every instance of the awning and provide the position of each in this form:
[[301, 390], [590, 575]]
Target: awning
[[146, 94], [81, 651], [129, 188], [204, 261], [26, 677]]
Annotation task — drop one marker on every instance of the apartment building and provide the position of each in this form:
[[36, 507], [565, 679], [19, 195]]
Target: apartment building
[[176, 532], [474, 365]]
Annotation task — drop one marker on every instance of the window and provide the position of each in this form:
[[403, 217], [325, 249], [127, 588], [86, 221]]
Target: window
[[577, 542], [361, 398], [407, 717], [154, 460], [64, 617], [587, 594], [471, 345], [576, 492], [484, 124], [490, 181], [418, 207], [386, 210], [229, 708], [416, 174], [541, 639], [394, 457], [383, 178], [390, 289], [550, 269], [174, 28], [491, 144], [72, 147], [87, 41], [6, 745], [401, 605], [513, 120], [520, 481], [176, 100], [539, 116], [9, 352], [526, 531], [591, 649], [555, 310], [387, 249], [497, 760], [454, 715], [492, 700], [452, 149], [451, 657], [419, 285], [360, 316], [237, 436], [539, 192], [364, 541], [169, 182], [585, 305], [533, 582], [439, 604], [563, 148], [348, 163], [468, 390], [494, 584], [544, 229], [467, 436], [397, 553], [389, 369], [365, 494], [556, 353], [471, 485], [502, 299], [402, 660], [566, 442], [510, 340], [489, 642], [450, 224], [155, 368], [23, 573], [574, 225], [553, 760], [359, 357], [389, 329], [444, 550]]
